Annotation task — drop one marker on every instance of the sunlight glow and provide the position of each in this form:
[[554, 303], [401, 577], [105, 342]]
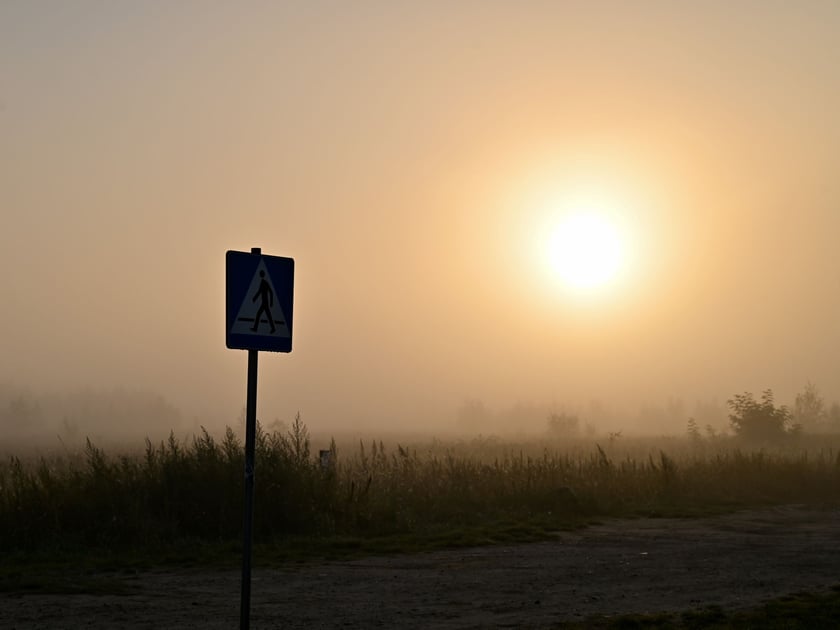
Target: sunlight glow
[[585, 247], [585, 250]]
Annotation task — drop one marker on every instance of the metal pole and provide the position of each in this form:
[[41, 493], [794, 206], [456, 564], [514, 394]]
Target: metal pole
[[250, 445]]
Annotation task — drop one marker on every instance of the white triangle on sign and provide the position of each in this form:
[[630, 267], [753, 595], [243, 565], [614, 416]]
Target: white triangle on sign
[[261, 301]]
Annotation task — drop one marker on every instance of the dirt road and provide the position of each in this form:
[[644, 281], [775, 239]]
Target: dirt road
[[618, 567]]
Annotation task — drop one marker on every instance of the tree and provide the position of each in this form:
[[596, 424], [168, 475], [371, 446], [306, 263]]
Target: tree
[[694, 430], [809, 408], [760, 420], [563, 424], [833, 417]]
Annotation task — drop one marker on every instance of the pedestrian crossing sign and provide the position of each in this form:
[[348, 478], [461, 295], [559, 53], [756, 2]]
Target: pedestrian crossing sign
[[259, 299]]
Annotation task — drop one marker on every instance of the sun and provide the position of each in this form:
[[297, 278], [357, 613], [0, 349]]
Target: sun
[[585, 250]]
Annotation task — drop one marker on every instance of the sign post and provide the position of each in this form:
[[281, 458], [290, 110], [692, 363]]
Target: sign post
[[248, 522], [259, 301]]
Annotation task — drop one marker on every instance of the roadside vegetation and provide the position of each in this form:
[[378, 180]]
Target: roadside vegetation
[[792, 612], [372, 497]]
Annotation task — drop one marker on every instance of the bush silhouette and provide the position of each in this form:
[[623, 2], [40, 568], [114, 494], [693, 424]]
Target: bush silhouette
[[760, 420]]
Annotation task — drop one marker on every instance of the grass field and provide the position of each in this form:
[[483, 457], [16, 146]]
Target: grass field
[[800, 611], [375, 497], [68, 519]]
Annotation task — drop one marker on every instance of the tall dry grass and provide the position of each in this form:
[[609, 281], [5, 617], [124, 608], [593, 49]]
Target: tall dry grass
[[192, 490]]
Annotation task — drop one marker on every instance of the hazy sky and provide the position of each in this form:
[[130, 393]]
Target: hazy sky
[[410, 157]]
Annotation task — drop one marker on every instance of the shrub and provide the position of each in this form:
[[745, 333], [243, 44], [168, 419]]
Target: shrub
[[762, 420]]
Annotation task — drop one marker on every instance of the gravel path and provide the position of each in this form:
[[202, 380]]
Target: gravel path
[[622, 566]]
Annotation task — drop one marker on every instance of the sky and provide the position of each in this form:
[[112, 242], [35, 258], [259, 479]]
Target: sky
[[411, 158]]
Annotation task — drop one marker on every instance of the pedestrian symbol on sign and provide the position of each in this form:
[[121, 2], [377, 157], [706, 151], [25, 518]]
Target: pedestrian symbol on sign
[[266, 296], [261, 312]]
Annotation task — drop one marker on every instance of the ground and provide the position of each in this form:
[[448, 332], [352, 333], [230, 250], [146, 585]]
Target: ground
[[622, 566]]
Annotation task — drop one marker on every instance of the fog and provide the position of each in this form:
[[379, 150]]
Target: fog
[[409, 159]]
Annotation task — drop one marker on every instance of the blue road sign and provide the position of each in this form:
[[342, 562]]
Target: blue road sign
[[259, 298]]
